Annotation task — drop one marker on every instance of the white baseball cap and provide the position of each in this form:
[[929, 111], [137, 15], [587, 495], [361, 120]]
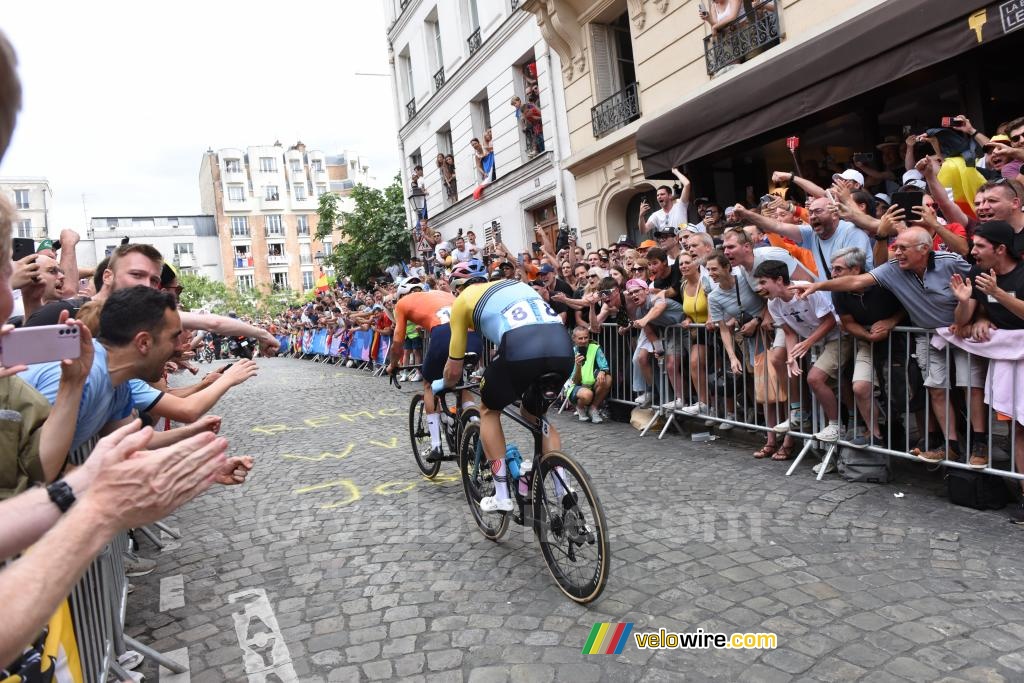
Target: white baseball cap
[[850, 174], [915, 178]]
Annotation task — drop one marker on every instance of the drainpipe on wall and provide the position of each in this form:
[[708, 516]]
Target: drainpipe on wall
[[556, 151]]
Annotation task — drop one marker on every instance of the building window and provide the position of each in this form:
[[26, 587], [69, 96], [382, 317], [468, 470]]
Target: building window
[[280, 281], [243, 256], [302, 225], [321, 188], [181, 248], [318, 165], [300, 191], [307, 280], [236, 193], [112, 224], [305, 254], [233, 165], [187, 271], [274, 226], [239, 226], [243, 283], [21, 199], [268, 165], [296, 165], [25, 228], [270, 193], [615, 91]]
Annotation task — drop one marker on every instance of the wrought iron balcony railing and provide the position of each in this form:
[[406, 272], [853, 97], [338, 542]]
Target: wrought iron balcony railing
[[474, 41], [616, 111], [439, 78], [410, 108], [743, 37]]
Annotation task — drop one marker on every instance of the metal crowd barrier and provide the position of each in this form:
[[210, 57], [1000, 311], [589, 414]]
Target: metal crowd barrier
[[99, 604], [898, 399]]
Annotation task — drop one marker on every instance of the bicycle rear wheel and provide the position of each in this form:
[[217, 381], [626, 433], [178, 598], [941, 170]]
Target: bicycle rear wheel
[[569, 523], [478, 484], [420, 437]]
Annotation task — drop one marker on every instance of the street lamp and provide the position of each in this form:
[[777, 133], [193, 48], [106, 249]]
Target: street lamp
[[319, 258], [418, 201]]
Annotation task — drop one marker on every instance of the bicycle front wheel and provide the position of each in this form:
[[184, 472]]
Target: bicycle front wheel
[[478, 484], [569, 523], [419, 435]]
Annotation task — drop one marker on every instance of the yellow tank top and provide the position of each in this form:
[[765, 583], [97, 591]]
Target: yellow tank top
[[695, 307]]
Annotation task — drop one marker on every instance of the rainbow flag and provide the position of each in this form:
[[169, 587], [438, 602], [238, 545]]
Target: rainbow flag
[[608, 638]]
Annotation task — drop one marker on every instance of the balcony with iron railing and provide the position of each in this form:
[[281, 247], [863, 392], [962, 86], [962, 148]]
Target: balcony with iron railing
[[302, 231], [439, 78], [243, 261], [474, 41], [616, 111], [744, 37], [273, 231], [410, 108], [277, 259], [515, 5]]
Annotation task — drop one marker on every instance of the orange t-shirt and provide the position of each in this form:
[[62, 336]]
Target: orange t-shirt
[[804, 256], [425, 309]]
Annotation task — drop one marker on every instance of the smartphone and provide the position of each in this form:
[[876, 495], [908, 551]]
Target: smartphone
[[23, 246], [535, 246], [767, 199], [701, 8], [907, 201], [906, 131], [43, 344], [520, 258], [947, 121]]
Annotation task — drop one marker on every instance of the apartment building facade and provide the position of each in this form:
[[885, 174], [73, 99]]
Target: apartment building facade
[[190, 243], [648, 87], [456, 65], [32, 198], [263, 200]]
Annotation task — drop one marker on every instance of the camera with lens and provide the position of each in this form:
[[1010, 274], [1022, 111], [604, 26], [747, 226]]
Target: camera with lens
[[742, 320]]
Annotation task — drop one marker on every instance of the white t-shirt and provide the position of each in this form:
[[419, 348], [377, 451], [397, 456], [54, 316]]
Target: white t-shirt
[[464, 255], [676, 217], [804, 316], [761, 254]]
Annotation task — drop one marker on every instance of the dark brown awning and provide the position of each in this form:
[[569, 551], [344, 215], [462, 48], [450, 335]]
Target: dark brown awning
[[881, 45]]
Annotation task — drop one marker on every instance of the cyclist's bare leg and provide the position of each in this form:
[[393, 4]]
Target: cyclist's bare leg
[[552, 441], [429, 404], [491, 434]]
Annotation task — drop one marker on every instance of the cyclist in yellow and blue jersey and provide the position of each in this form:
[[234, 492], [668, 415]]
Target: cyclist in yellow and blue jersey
[[531, 341]]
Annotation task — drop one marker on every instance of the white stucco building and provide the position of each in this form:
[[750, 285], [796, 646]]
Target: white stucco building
[[32, 198], [456, 65], [188, 242]]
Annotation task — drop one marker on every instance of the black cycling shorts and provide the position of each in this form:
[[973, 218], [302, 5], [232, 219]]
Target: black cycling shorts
[[525, 354], [437, 350]]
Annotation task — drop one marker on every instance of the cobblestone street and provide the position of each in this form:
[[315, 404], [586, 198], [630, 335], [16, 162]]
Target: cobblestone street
[[338, 562]]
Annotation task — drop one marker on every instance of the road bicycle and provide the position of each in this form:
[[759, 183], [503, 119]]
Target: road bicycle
[[557, 499], [453, 420]]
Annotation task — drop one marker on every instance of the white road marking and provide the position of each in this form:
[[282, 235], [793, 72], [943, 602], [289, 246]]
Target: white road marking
[[179, 656], [172, 592], [260, 638]]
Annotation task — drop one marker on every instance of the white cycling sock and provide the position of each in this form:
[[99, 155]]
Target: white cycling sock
[[466, 405], [500, 479], [434, 427]]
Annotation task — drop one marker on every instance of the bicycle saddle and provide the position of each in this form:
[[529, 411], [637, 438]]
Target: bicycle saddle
[[549, 385]]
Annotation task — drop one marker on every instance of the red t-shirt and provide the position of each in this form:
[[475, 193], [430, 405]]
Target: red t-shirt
[[954, 228]]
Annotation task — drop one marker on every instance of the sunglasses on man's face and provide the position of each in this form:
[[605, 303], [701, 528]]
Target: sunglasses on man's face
[[639, 270], [593, 276], [605, 293]]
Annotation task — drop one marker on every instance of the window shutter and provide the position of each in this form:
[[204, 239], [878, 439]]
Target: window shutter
[[601, 62]]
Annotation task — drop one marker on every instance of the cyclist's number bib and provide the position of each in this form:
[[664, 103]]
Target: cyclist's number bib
[[444, 315], [529, 312]]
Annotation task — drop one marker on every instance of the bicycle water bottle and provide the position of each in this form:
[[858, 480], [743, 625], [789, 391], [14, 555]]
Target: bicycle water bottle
[[513, 460]]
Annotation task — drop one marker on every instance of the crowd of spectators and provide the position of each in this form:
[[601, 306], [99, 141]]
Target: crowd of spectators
[[85, 456]]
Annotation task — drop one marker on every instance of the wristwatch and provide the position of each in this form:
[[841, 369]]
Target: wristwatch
[[61, 495]]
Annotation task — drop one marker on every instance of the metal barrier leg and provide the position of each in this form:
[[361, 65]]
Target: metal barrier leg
[[825, 461], [167, 530], [151, 654], [151, 536], [122, 673], [799, 457], [650, 423]]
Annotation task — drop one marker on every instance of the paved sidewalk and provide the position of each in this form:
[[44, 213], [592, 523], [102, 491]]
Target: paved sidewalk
[[337, 562]]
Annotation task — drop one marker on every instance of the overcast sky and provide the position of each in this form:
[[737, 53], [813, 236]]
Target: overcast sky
[[121, 99]]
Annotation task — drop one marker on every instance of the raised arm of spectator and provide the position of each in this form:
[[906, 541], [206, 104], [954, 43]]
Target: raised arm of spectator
[[198, 404], [546, 247], [954, 242], [59, 428], [853, 283], [230, 327], [809, 187], [963, 124], [929, 168], [641, 221], [69, 263], [684, 183], [767, 224], [169, 437]]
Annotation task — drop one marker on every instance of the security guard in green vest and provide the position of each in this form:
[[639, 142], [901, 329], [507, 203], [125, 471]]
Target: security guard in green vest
[[591, 379]]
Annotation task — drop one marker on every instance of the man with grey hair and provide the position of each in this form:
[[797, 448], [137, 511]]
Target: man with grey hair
[[867, 316], [10, 93], [920, 279]]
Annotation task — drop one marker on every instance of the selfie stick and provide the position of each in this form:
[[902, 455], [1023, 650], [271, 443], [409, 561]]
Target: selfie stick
[[793, 143]]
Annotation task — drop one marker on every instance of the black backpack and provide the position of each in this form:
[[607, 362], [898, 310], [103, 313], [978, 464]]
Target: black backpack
[[976, 490]]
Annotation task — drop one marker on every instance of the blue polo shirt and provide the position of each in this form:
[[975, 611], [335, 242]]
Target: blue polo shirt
[[929, 300], [846, 235], [101, 403]]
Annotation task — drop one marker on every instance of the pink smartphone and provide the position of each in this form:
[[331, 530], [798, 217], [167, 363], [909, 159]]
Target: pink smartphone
[[43, 344]]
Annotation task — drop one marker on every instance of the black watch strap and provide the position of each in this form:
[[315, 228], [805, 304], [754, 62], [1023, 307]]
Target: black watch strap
[[61, 494]]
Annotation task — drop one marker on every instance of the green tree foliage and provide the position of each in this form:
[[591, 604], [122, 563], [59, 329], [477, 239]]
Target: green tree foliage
[[200, 292], [375, 233]]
